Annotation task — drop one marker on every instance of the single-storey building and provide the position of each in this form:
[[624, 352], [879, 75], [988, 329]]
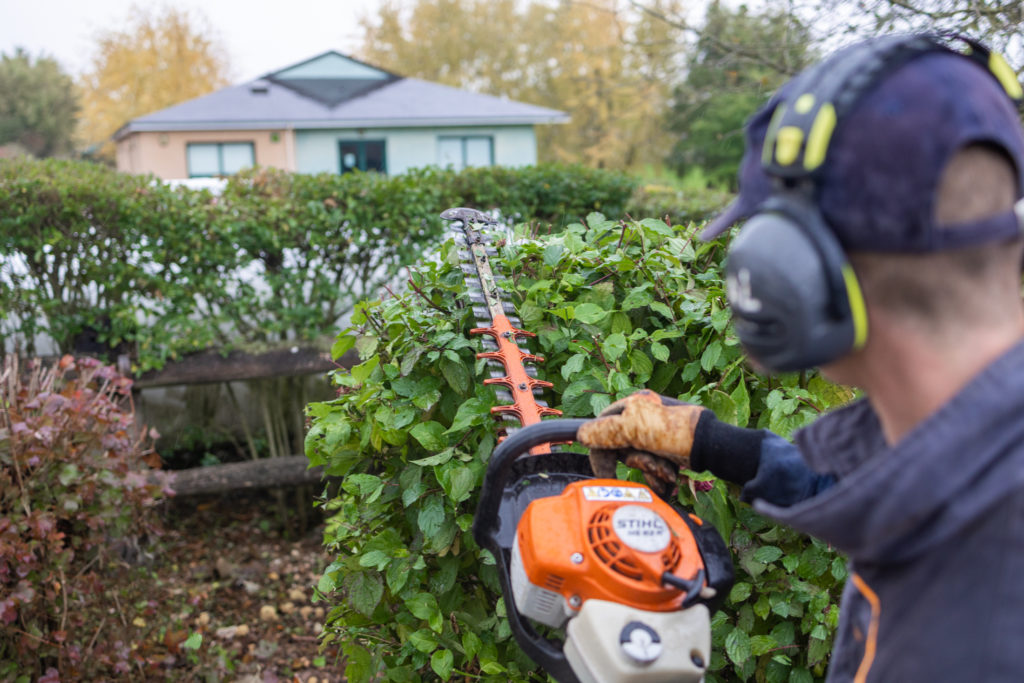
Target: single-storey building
[[334, 114]]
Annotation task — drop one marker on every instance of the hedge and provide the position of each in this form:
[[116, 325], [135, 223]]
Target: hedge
[[108, 262], [617, 306]]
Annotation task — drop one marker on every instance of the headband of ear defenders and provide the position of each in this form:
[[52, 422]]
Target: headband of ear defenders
[[796, 143]]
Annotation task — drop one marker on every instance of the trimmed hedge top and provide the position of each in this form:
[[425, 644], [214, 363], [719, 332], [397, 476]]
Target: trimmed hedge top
[[100, 261]]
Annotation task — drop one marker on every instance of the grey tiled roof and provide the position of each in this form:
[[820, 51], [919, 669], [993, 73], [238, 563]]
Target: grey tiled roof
[[400, 102]]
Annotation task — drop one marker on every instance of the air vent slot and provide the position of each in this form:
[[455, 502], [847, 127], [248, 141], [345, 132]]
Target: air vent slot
[[618, 557], [554, 582]]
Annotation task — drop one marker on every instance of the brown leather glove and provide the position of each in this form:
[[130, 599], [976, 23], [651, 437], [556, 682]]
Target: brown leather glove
[[649, 432]]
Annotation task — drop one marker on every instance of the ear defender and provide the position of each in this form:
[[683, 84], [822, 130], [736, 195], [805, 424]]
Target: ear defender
[[796, 301]]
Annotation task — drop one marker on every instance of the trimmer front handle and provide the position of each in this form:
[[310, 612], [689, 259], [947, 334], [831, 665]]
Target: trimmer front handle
[[487, 523], [500, 508]]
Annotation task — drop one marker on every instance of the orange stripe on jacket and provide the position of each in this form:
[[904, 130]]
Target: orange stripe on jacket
[[869, 646]]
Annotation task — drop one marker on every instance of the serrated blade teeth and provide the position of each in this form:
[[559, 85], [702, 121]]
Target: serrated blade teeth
[[498, 372], [477, 297], [469, 270], [510, 309], [482, 314], [489, 343], [496, 365], [531, 371], [503, 395], [491, 251], [541, 402]]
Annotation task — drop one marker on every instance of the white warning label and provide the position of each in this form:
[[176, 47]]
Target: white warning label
[[641, 528], [621, 493]]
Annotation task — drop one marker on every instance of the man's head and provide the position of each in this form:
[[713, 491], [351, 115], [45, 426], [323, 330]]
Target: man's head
[[904, 161]]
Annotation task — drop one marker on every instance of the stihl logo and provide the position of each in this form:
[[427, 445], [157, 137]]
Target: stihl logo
[[641, 528], [639, 525], [737, 288]]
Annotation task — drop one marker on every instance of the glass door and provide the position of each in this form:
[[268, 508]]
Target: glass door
[[364, 155]]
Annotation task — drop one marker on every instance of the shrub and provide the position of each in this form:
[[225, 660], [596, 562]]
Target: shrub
[[87, 254], [617, 307], [553, 194], [72, 477], [131, 265], [677, 205]]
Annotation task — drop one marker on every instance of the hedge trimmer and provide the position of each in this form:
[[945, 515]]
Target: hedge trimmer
[[630, 577], [502, 333]]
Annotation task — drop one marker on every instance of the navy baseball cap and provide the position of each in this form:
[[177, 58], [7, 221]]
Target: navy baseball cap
[[877, 187]]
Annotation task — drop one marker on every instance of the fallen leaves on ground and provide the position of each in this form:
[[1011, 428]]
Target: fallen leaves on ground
[[221, 596]]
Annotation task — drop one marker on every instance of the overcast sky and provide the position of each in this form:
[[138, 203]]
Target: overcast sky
[[259, 35]]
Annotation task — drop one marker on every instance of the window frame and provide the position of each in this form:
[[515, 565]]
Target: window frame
[[463, 139], [220, 156], [360, 145]]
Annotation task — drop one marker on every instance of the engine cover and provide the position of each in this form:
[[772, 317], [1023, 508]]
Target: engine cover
[[601, 539]]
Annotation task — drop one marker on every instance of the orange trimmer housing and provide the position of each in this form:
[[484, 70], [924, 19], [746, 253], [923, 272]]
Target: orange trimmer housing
[[611, 540]]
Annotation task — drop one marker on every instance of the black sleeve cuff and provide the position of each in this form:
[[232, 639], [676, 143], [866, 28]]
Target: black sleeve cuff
[[731, 453]]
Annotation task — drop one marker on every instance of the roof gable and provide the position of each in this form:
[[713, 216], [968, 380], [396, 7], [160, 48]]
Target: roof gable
[[331, 78], [331, 65]]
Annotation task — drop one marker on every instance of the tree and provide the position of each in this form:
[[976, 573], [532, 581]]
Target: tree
[[602, 61], [156, 61], [741, 57], [37, 105], [997, 22]]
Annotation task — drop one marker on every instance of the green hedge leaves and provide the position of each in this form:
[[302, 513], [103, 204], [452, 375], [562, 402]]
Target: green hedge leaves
[[617, 306], [107, 263]]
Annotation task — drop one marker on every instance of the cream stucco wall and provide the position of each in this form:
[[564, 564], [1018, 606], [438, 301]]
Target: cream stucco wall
[[163, 154]]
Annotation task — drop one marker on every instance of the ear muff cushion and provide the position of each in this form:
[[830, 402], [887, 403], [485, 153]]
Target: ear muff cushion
[[780, 291]]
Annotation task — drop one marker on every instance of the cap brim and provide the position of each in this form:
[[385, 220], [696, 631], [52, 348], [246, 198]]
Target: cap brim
[[732, 215]]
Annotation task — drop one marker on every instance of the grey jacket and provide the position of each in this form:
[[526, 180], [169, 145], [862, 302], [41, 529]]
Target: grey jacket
[[934, 529]]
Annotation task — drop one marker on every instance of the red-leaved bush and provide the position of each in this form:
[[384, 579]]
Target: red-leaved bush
[[74, 475]]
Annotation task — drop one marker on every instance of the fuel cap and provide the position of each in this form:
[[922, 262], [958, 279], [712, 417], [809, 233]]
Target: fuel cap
[[640, 643]]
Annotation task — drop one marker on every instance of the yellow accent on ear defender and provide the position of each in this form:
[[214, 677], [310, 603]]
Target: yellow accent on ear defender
[[858, 310], [819, 136], [769, 135], [787, 144], [1005, 75], [804, 103]]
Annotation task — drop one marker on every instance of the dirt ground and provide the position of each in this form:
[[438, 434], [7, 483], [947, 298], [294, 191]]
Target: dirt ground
[[223, 595]]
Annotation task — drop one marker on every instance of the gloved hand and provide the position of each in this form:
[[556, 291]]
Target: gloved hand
[[649, 432]]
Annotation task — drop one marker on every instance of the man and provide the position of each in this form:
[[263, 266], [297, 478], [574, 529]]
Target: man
[[921, 483]]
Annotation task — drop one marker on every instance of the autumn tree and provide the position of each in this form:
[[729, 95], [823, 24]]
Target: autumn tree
[[741, 58], [158, 59], [37, 105], [602, 61]]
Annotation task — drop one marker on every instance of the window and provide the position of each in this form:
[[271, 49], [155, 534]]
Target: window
[[365, 155], [208, 159], [465, 151]]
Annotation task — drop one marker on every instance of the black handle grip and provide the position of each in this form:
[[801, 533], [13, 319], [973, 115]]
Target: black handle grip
[[500, 466]]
